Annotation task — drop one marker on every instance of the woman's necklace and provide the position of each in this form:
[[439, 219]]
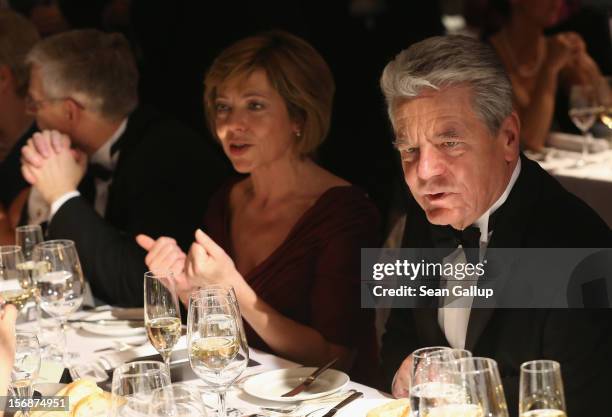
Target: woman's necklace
[[525, 70]]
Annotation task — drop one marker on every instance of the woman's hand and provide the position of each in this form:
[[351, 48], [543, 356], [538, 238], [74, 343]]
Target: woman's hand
[[208, 264], [165, 255]]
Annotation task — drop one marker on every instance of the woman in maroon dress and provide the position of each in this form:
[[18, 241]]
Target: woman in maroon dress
[[287, 233]]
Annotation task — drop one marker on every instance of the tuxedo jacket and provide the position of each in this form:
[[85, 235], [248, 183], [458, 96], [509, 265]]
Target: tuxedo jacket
[[11, 179], [163, 179], [538, 213]]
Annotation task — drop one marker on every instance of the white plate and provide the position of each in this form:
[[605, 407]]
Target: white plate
[[271, 385], [109, 330]]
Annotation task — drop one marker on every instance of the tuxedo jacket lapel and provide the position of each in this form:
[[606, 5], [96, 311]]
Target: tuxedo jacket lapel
[[508, 230]]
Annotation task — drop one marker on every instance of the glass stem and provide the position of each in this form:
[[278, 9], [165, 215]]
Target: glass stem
[[167, 356], [24, 391], [64, 342], [585, 145], [222, 412]]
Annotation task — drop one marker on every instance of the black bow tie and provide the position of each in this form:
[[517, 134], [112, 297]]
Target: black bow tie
[[468, 238], [447, 237], [99, 171]]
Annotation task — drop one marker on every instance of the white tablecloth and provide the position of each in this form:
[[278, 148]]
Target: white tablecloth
[[592, 183], [85, 344]]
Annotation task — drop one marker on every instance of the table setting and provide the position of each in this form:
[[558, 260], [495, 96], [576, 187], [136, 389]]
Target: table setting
[[121, 362], [113, 361]]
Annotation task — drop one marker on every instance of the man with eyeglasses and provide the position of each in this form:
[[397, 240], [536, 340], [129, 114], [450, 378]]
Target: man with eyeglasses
[[104, 168]]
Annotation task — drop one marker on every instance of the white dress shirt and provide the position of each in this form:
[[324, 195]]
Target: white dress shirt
[[454, 320], [39, 211]]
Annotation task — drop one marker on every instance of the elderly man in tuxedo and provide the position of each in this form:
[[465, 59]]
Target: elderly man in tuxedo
[[104, 168], [450, 104]]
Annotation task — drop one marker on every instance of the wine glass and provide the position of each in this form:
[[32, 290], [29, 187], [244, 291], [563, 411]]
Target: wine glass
[[15, 285], [430, 382], [481, 390], [584, 108], [217, 347], [541, 389], [26, 365], [133, 385], [27, 237], [162, 313], [59, 280], [177, 400]]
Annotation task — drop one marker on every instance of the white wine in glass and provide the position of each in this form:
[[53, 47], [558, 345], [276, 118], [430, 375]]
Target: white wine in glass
[[217, 347], [541, 390], [16, 286], [162, 313]]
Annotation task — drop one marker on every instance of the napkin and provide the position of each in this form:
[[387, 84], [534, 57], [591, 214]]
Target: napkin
[[571, 142]]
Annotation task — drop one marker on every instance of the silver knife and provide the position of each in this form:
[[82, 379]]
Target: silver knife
[[111, 322], [309, 380], [343, 403]]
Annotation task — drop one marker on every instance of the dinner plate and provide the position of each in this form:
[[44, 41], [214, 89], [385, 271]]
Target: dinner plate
[[109, 330], [273, 384]]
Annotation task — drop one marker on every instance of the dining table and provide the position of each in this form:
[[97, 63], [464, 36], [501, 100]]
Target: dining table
[[91, 349], [591, 181]]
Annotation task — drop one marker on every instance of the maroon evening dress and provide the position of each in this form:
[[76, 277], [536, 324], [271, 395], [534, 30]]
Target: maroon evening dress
[[313, 277]]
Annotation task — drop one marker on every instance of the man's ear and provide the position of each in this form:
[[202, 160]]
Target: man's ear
[[7, 79], [72, 111], [510, 135]]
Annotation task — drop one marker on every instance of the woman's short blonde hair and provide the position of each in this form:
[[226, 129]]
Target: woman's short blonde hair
[[295, 70]]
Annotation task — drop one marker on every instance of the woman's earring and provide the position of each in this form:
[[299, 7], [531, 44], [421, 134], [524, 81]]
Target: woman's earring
[[298, 133]]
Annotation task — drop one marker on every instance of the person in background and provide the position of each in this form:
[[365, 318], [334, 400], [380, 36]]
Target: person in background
[[538, 64], [450, 104], [131, 168], [286, 234], [17, 37]]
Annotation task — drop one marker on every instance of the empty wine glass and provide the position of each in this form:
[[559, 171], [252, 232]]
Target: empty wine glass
[[177, 400], [133, 386], [59, 281], [217, 347], [27, 237], [584, 109], [162, 313], [541, 390], [15, 285], [26, 365]]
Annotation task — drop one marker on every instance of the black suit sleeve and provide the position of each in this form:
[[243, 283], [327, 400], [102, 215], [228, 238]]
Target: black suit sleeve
[[397, 343], [112, 261]]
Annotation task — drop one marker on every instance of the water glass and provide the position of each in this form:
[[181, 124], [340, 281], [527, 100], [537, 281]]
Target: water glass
[[133, 386]]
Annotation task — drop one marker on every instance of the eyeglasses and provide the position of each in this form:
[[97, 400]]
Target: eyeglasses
[[33, 106]]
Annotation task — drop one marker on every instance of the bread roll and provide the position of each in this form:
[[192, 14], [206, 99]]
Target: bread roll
[[97, 404], [396, 408]]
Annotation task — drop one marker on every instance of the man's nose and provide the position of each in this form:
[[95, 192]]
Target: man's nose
[[431, 162]]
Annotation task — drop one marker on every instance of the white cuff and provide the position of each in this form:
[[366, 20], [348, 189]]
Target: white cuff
[[57, 204]]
